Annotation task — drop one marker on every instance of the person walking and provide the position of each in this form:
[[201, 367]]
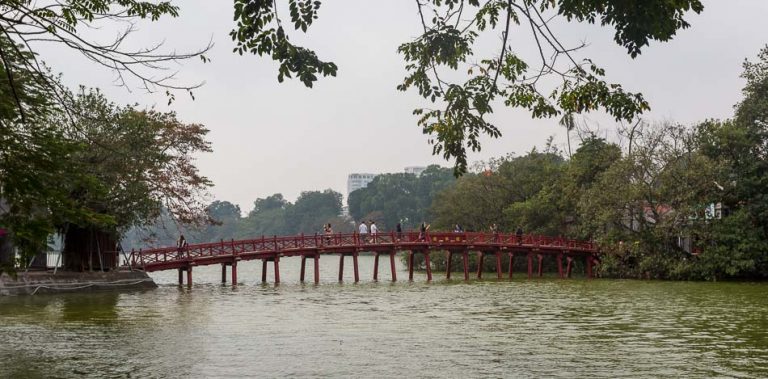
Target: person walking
[[362, 230], [399, 231], [374, 231], [519, 235]]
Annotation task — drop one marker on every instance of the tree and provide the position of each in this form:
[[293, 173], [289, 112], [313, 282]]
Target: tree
[[399, 198], [447, 46], [30, 25], [311, 210], [225, 218], [137, 163]]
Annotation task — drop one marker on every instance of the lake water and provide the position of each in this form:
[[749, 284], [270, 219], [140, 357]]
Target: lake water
[[523, 328]]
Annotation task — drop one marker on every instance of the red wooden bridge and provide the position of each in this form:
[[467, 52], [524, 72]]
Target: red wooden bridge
[[272, 249]]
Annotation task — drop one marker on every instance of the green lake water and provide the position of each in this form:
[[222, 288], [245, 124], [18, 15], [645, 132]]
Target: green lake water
[[572, 328]]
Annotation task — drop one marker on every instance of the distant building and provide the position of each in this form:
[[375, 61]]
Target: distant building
[[357, 181], [416, 170]]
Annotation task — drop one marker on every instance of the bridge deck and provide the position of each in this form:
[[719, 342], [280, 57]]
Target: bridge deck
[[270, 249]]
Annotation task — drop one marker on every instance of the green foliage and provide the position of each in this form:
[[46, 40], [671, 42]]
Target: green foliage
[[259, 31], [403, 198], [446, 47]]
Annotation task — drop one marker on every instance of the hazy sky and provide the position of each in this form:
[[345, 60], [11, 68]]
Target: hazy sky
[[269, 137]]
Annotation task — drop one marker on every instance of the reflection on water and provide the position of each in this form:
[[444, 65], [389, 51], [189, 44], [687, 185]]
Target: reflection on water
[[566, 328]]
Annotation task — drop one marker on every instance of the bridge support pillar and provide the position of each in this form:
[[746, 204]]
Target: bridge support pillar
[[480, 258], [303, 267], [317, 268], [465, 261], [530, 265], [392, 265], [569, 266], [511, 264], [410, 265], [263, 270], [354, 263], [448, 260], [429, 266], [590, 263], [189, 276], [541, 266], [181, 276], [341, 267], [560, 265], [234, 273], [223, 273], [498, 264], [376, 266], [277, 269]]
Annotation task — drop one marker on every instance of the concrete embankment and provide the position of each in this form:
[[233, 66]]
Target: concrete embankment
[[38, 282]]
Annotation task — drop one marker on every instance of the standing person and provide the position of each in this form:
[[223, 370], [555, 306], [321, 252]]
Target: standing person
[[423, 231], [328, 231], [495, 231], [399, 230], [181, 243], [374, 230], [458, 229], [519, 235], [363, 230]]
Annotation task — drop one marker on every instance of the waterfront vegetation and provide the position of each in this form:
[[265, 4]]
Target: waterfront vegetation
[[664, 200]]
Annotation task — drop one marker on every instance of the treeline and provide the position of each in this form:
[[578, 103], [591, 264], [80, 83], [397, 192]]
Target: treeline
[[400, 198], [270, 216], [667, 202]]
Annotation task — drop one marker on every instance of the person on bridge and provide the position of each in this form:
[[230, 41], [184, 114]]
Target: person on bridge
[[423, 231], [519, 235], [374, 231], [399, 231], [181, 243], [328, 231], [363, 230]]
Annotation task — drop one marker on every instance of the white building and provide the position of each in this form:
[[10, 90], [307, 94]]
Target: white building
[[416, 170], [357, 181]]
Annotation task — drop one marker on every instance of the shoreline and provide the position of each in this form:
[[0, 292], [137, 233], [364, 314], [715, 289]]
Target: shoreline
[[46, 282]]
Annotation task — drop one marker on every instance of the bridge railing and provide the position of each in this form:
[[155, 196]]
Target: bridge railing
[[410, 239]]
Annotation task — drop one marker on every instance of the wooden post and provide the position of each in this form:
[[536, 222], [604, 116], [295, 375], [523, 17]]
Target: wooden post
[[303, 267], [341, 267], [263, 270], [448, 264], [354, 263], [568, 268], [410, 265], [541, 258], [317, 268], [234, 273], [189, 276], [511, 264], [277, 269], [465, 260], [480, 259], [392, 265], [223, 273], [429, 266], [530, 265], [560, 265], [376, 266], [590, 262], [181, 277], [498, 264]]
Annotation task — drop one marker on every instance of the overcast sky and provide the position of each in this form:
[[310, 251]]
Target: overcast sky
[[269, 137]]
